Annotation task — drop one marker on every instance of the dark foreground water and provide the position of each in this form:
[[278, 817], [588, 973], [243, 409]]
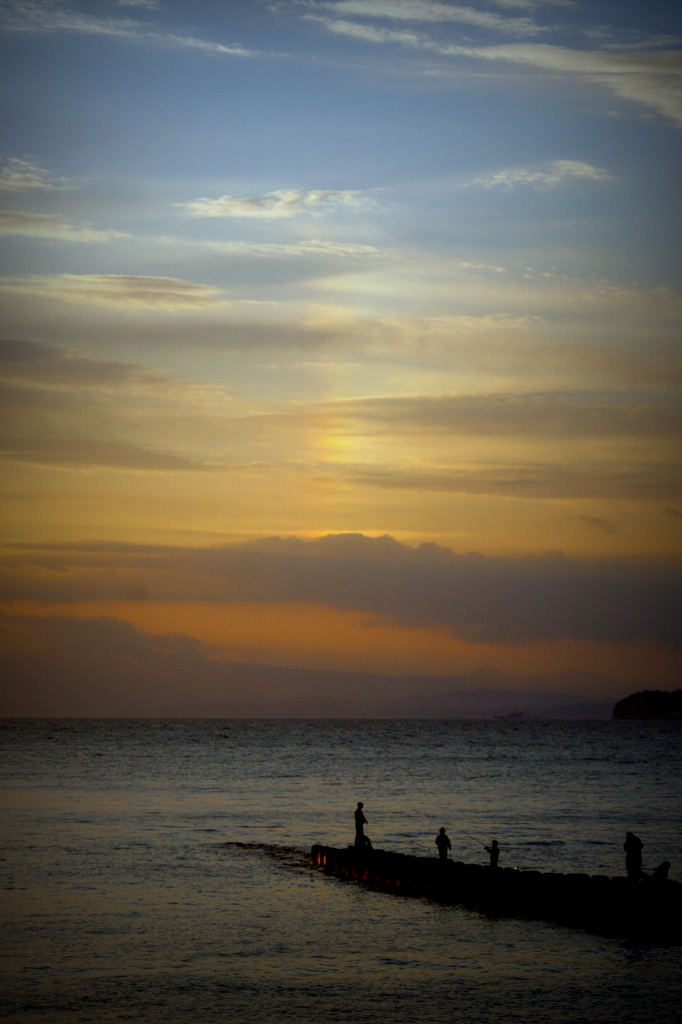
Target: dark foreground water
[[126, 898]]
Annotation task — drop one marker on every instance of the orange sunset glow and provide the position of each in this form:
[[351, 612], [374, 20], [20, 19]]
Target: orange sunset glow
[[377, 374], [309, 636]]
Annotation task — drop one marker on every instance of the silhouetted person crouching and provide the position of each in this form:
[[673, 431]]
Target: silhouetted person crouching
[[494, 851], [443, 843], [660, 874], [633, 856]]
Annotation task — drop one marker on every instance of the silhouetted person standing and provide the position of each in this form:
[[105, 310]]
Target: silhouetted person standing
[[494, 851], [443, 843], [633, 855], [360, 822]]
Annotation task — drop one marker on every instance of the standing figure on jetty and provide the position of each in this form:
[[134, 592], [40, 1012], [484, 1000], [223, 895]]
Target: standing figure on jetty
[[443, 843], [494, 851], [633, 856], [360, 822]]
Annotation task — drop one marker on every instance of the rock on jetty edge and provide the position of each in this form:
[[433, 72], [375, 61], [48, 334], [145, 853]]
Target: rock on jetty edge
[[646, 909]]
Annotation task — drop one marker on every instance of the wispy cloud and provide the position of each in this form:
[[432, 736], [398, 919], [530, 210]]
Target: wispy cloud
[[152, 5], [39, 364], [649, 43], [73, 411], [533, 5], [663, 96], [192, 43], [22, 176], [529, 480], [282, 203], [46, 16], [369, 32], [600, 525], [431, 11], [561, 58], [118, 290], [62, 408], [648, 78], [556, 172], [309, 247], [81, 452], [542, 415], [38, 225]]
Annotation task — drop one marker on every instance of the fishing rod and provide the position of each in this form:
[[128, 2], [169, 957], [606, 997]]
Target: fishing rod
[[470, 836]]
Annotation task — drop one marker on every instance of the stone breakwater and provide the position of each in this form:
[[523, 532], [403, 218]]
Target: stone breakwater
[[646, 909]]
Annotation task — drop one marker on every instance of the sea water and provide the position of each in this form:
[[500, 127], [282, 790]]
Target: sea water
[[155, 871]]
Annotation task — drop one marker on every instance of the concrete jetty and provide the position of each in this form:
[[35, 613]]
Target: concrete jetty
[[647, 909]]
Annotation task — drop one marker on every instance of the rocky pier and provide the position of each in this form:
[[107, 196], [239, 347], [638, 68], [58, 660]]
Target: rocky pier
[[646, 909]]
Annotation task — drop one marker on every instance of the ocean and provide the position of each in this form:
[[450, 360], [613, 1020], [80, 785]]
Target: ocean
[[156, 870]]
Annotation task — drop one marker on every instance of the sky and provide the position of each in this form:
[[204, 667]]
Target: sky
[[343, 334]]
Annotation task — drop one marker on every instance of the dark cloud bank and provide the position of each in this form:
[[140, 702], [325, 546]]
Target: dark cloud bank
[[499, 600]]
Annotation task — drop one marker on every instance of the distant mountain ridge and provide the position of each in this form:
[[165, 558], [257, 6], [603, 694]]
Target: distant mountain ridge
[[517, 704], [74, 668]]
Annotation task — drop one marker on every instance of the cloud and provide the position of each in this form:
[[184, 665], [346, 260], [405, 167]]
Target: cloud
[[577, 331], [80, 452], [600, 525], [64, 409], [273, 205], [651, 79], [118, 290], [663, 96], [468, 265], [54, 392], [481, 599], [528, 480], [310, 247], [648, 78], [643, 44], [542, 415], [41, 364], [368, 32], [532, 5], [562, 58], [21, 176], [38, 225], [153, 5], [556, 172], [430, 11], [584, 333], [192, 43], [45, 16]]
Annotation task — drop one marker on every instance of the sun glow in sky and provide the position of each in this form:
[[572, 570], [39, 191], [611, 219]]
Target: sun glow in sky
[[323, 268]]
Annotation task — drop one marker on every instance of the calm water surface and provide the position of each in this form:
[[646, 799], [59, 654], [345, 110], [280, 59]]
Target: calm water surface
[[126, 898]]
